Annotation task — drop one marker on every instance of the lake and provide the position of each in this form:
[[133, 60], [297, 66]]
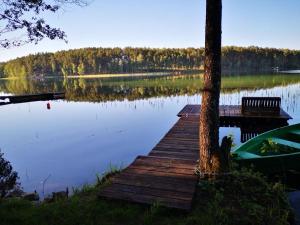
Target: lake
[[107, 122]]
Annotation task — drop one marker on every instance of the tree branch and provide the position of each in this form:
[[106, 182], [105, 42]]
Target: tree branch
[[26, 16]]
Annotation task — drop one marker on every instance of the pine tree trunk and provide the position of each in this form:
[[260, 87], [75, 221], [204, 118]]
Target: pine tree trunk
[[210, 159]]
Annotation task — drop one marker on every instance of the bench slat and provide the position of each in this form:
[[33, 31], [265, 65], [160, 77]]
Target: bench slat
[[261, 105]]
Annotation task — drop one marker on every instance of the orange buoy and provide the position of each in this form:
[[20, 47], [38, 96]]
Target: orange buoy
[[48, 105]]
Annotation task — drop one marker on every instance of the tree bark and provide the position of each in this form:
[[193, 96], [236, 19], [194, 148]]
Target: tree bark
[[210, 157]]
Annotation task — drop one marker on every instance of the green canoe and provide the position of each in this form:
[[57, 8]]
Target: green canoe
[[271, 152]]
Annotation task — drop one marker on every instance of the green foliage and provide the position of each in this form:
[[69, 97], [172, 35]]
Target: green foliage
[[245, 193], [100, 180], [113, 170], [1, 70], [134, 60], [81, 69], [105, 60], [269, 147], [28, 16], [8, 177], [231, 136]]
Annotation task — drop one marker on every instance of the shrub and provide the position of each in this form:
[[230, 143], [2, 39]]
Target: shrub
[[8, 177]]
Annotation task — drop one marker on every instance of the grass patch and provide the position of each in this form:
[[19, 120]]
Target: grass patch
[[242, 197]]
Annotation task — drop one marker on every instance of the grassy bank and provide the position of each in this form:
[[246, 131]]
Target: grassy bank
[[239, 198]]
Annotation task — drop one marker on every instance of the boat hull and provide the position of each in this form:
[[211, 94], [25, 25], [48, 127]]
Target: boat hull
[[275, 164], [250, 153]]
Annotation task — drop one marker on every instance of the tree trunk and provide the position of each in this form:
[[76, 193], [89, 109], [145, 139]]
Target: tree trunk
[[210, 157]]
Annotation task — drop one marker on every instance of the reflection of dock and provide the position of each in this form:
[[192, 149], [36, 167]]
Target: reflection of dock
[[4, 100], [167, 174], [249, 131]]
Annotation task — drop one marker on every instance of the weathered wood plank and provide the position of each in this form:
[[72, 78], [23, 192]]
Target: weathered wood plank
[[165, 162], [164, 183], [169, 195], [178, 150], [163, 169], [146, 199], [171, 172], [172, 155], [177, 162]]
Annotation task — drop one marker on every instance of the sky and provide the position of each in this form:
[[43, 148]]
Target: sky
[[169, 23]]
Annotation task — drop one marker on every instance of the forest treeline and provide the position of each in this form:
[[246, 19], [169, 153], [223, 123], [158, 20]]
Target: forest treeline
[[140, 60]]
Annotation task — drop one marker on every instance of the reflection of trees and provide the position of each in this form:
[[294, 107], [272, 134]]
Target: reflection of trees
[[132, 88]]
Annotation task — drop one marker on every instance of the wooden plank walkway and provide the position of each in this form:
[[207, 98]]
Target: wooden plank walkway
[[166, 175]]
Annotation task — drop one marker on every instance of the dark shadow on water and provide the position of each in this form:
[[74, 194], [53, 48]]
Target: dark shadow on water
[[251, 130]]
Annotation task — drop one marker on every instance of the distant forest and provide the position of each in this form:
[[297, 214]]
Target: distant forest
[[88, 61]]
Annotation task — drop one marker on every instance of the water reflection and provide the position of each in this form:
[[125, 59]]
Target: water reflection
[[110, 121], [133, 88]]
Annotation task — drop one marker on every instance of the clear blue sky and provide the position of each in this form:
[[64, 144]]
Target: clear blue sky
[[170, 23]]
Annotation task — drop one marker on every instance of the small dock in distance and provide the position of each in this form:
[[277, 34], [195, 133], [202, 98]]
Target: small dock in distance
[[15, 99], [167, 174]]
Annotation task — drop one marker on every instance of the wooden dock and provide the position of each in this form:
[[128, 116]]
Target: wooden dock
[[167, 174], [15, 99], [231, 115]]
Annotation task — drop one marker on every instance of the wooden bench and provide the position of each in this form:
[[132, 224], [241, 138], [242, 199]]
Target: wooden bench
[[261, 105]]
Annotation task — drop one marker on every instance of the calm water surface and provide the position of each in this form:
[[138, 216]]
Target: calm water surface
[[106, 122]]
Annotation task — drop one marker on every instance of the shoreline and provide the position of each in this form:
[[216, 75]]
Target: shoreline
[[124, 75]]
